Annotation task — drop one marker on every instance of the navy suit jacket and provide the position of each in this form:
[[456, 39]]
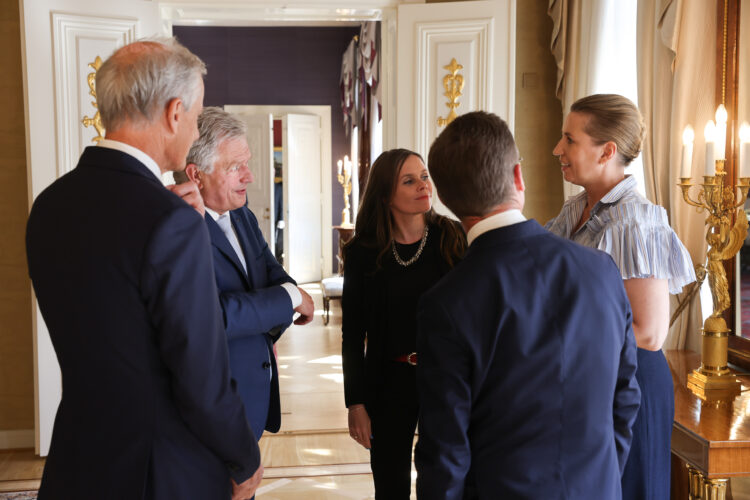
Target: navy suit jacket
[[256, 312], [123, 276], [526, 372]]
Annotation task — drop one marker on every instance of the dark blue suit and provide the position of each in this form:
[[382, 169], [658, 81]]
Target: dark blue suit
[[255, 313], [123, 274], [526, 372]]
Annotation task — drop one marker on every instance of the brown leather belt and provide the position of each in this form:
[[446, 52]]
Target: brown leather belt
[[407, 358]]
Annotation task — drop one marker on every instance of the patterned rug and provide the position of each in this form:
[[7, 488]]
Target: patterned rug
[[19, 495]]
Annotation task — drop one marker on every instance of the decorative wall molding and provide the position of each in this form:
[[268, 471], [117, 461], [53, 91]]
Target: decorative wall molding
[[264, 12], [76, 41], [470, 43], [16, 439]]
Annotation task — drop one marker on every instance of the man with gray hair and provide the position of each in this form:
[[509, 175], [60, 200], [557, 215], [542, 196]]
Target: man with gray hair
[[257, 296], [527, 358], [122, 270]]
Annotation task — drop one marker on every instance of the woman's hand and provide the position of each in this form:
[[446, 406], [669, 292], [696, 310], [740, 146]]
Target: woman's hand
[[359, 425]]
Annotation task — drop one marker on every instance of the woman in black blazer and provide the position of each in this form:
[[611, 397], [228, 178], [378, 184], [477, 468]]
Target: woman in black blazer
[[400, 248]]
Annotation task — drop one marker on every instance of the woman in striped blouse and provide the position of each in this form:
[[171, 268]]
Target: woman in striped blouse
[[602, 134]]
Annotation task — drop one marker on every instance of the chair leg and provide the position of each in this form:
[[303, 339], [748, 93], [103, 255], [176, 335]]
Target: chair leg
[[326, 309]]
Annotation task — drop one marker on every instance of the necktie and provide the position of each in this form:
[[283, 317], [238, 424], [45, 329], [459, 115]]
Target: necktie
[[225, 224]]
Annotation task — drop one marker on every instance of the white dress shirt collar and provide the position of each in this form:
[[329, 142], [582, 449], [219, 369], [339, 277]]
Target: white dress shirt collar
[[215, 215], [134, 152], [502, 219]]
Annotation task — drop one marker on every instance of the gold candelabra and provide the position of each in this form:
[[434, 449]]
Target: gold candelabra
[[713, 380], [345, 179]]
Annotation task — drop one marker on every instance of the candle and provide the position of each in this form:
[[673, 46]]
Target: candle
[[687, 151], [745, 150], [710, 134], [721, 132], [339, 163]]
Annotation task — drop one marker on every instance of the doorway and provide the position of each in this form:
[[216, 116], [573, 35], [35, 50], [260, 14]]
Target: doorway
[[293, 204]]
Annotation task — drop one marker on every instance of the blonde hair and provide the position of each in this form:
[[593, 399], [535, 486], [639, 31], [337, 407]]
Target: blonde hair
[[615, 118]]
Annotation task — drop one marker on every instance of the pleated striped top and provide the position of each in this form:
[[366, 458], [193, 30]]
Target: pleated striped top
[[634, 231]]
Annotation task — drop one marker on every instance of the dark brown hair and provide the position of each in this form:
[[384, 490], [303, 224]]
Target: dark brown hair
[[374, 225], [472, 162]]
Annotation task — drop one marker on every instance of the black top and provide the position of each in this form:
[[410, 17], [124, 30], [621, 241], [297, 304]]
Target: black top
[[380, 305]]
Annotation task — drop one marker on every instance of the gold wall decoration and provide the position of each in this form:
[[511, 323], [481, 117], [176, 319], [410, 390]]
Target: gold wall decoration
[[96, 121], [453, 84]]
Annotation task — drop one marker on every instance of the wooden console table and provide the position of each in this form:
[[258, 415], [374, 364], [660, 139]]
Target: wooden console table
[[713, 439]]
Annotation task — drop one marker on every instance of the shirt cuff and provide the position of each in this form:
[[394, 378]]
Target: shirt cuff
[[293, 294]]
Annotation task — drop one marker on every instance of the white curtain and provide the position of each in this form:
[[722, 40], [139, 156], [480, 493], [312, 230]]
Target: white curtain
[[593, 43], [676, 86]]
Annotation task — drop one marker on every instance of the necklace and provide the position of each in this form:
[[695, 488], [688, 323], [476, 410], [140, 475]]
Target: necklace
[[416, 255]]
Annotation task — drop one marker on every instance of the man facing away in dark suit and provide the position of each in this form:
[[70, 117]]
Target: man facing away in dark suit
[[122, 270], [527, 357], [258, 298]]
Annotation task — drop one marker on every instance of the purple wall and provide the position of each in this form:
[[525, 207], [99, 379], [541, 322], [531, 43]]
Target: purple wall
[[277, 66]]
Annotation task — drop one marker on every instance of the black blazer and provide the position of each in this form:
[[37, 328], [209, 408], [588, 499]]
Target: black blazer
[[364, 316], [122, 272]]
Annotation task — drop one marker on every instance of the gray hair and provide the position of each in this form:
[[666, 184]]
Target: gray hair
[[214, 125], [139, 79]]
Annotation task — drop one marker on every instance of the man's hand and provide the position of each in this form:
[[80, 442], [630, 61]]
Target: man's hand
[[188, 191], [306, 309], [360, 428], [246, 490]]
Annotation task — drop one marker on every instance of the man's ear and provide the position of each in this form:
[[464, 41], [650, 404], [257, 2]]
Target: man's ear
[[518, 178], [193, 174], [173, 113]]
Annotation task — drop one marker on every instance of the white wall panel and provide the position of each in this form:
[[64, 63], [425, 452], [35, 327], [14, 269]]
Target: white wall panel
[[77, 41]]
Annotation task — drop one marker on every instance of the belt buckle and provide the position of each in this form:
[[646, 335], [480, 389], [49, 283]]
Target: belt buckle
[[412, 359]]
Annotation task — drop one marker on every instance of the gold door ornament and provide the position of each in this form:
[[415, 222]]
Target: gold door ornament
[[453, 84], [96, 121]]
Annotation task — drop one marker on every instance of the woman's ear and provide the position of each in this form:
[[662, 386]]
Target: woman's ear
[[608, 152]]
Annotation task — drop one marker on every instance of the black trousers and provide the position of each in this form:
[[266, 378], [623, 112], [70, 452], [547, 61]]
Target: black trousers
[[394, 421]]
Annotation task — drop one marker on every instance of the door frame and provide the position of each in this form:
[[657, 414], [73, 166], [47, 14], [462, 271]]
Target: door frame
[[336, 13], [324, 112]]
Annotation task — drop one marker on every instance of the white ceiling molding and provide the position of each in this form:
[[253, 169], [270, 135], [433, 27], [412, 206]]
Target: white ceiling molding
[[263, 13]]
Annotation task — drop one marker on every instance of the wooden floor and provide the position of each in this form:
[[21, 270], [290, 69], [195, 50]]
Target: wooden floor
[[312, 456]]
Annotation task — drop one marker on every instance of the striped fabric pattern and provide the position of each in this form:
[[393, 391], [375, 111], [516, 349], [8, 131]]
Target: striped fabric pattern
[[634, 231]]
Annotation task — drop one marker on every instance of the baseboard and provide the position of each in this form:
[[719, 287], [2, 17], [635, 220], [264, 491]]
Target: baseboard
[[23, 438]]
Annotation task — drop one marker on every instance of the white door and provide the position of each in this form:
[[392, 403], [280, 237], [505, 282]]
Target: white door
[[480, 36], [60, 38], [324, 112], [260, 191], [301, 172]]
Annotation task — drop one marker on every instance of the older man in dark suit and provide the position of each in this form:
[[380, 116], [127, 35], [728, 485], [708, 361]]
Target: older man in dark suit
[[258, 298], [122, 271], [527, 357]]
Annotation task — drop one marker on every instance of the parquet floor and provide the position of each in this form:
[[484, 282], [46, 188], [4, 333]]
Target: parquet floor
[[312, 456]]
